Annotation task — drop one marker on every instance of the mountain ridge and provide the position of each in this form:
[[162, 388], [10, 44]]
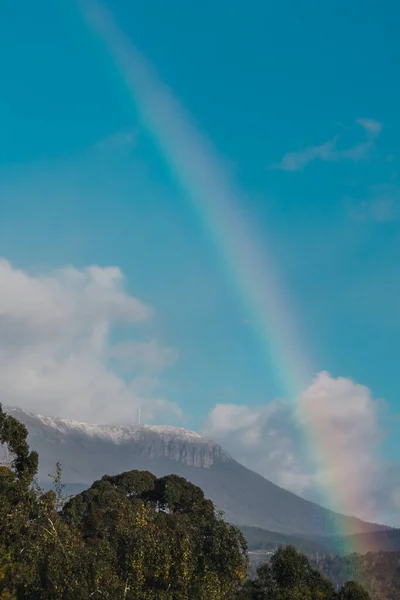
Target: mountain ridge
[[176, 443], [87, 453]]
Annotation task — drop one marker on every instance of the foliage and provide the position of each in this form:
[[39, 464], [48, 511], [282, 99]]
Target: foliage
[[378, 572], [353, 591], [290, 576], [18, 466]]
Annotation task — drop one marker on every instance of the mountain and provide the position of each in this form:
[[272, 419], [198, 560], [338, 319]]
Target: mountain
[[260, 542], [86, 452], [372, 541]]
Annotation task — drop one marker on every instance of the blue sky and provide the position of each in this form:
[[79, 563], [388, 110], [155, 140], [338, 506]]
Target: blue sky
[[83, 182]]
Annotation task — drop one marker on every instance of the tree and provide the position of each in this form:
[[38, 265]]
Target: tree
[[353, 591], [18, 466], [163, 537], [288, 576]]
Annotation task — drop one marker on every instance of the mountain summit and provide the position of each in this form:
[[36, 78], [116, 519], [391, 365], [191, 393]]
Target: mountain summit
[[87, 451], [149, 441]]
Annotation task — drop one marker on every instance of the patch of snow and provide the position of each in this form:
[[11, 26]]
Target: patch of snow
[[114, 433]]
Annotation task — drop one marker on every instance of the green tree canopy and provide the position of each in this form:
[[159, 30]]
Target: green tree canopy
[[18, 466]]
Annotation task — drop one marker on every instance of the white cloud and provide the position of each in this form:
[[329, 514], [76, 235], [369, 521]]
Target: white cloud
[[297, 161], [328, 151], [339, 421], [341, 418], [264, 438], [55, 347]]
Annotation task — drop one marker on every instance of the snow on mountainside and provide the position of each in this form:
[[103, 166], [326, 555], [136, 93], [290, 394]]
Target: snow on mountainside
[[118, 434], [174, 443]]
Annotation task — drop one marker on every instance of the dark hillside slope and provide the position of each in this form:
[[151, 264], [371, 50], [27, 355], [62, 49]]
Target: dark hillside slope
[[373, 541], [261, 540]]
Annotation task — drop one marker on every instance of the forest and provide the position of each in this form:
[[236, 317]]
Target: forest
[[379, 572]]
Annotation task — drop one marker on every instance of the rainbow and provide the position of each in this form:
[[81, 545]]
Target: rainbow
[[201, 176]]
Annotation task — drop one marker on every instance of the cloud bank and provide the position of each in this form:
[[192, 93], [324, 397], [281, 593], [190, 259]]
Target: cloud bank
[[325, 448], [56, 350]]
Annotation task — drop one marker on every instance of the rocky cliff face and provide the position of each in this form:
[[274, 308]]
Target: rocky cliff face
[[196, 453]]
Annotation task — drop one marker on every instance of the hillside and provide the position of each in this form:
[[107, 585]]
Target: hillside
[[261, 541], [373, 541], [88, 451], [378, 572]]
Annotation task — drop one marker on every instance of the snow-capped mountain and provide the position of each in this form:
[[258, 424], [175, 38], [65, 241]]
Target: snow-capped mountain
[[149, 441], [113, 433], [87, 452]]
